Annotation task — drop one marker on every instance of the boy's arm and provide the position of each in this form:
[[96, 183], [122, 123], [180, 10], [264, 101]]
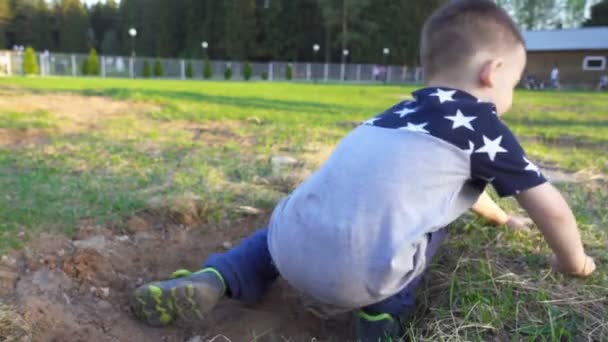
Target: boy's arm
[[488, 209], [553, 216], [491, 211]]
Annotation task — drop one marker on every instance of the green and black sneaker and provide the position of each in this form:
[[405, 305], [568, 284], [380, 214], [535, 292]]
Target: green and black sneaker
[[186, 297], [379, 328]]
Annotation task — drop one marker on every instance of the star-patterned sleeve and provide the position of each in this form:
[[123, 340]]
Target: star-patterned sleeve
[[499, 159]]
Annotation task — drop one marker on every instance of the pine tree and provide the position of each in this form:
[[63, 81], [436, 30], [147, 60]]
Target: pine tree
[[30, 63], [247, 71], [189, 70], [228, 72], [288, 72], [207, 70], [158, 68], [147, 72], [92, 65], [4, 22]]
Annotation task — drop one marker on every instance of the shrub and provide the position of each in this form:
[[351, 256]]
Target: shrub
[[189, 70], [247, 71], [30, 64], [289, 72], [207, 71], [158, 68], [147, 72], [227, 72], [92, 63]]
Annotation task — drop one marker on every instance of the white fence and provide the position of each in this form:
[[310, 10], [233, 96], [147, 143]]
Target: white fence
[[58, 64]]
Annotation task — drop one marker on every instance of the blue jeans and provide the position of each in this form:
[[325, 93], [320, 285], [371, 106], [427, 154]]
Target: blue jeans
[[248, 271]]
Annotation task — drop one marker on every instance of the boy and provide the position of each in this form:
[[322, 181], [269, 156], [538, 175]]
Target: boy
[[359, 233]]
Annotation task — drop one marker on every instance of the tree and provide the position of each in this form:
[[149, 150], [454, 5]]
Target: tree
[[247, 71], [74, 27], [42, 26], [158, 68], [30, 63], [189, 70], [288, 72], [599, 15], [92, 63], [147, 72], [228, 72], [5, 16], [207, 70]]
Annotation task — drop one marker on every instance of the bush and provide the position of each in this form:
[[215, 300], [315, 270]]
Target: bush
[[158, 68], [247, 71], [289, 72], [30, 63], [189, 70], [207, 71], [85, 66], [227, 72], [264, 75], [147, 72], [91, 64]]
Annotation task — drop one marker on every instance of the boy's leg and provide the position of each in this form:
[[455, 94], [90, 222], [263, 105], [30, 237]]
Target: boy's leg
[[243, 273], [247, 269], [382, 320]]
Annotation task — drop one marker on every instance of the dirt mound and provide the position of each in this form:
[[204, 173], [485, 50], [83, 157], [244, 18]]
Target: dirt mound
[[77, 290]]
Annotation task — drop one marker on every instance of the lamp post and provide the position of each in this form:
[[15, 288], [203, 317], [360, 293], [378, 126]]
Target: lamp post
[[345, 53], [205, 46], [385, 53], [133, 34], [315, 50]]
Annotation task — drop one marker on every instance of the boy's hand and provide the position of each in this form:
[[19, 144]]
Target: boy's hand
[[519, 222], [583, 271]]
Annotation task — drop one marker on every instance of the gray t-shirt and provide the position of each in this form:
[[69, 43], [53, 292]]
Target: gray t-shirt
[[355, 232]]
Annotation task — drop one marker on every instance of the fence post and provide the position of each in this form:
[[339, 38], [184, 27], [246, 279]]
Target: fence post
[[358, 72], [74, 65], [103, 67], [342, 72], [388, 74], [326, 72], [41, 63], [9, 66], [270, 71], [182, 64], [308, 71], [131, 67]]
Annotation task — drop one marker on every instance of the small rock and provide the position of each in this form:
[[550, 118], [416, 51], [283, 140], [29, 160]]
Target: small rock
[[227, 244], [249, 210], [122, 238], [105, 291], [61, 252], [137, 224], [97, 243], [67, 299], [21, 234], [279, 163], [139, 282], [195, 339], [104, 305]]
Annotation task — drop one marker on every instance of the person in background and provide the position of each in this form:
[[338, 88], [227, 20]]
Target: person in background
[[603, 84], [555, 77]]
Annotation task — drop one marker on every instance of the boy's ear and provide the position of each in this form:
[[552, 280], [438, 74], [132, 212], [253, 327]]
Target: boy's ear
[[489, 72]]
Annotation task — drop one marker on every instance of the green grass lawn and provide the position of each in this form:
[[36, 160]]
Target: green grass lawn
[[215, 140]]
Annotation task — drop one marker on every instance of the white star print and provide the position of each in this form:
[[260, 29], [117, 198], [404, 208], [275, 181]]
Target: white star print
[[444, 95], [461, 121], [406, 111], [371, 121], [532, 167], [492, 147], [415, 128], [489, 180], [471, 148]]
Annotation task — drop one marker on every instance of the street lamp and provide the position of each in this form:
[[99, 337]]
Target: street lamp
[[315, 50], [205, 45], [133, 34], [345, 52], [385, 53]]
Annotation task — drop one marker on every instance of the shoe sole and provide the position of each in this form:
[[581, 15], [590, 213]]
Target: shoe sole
[[186, 302]]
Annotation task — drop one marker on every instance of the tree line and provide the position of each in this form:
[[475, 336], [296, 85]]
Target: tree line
[[257, 30]]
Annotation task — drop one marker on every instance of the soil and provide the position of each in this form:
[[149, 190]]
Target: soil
[[78, 290]]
